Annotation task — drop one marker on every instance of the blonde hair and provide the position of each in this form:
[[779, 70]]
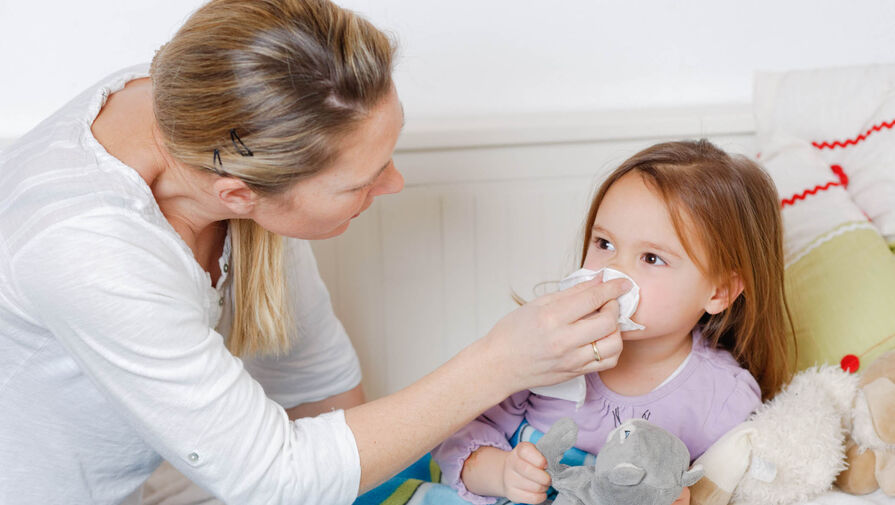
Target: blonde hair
[[265, 91], [734, 214]]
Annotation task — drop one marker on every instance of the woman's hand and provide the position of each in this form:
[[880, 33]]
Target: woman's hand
[[524, 477], [548, 340]]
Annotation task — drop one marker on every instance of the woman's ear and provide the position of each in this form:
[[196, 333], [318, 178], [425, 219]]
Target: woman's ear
[[725, 294], [235, 195]]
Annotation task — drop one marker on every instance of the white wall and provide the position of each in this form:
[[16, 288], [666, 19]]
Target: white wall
[[478, 57]]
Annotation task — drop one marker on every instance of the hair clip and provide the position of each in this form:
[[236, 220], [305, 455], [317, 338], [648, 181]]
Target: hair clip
[[241, 148], [216, 163]]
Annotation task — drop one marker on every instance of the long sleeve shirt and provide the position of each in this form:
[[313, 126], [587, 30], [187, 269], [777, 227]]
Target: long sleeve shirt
[[113, 343]]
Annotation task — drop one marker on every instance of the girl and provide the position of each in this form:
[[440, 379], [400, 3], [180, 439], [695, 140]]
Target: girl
[[700, 232]]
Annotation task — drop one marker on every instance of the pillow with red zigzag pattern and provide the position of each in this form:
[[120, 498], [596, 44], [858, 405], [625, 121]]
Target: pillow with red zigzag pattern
[[827, 137]]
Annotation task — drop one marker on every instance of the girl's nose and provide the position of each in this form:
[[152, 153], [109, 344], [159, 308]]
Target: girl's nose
[[615, 264], [621, 264]]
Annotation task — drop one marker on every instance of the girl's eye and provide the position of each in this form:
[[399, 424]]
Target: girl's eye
[[652, 259], [602, 243]]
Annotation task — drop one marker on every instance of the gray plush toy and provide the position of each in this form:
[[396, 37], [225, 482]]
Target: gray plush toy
[[640, 464]]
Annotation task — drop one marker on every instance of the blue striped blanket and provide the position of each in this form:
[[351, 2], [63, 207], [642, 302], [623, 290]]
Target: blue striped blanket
[[420, 483]]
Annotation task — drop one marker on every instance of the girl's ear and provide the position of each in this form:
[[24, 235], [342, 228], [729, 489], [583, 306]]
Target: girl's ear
[[725, 294]]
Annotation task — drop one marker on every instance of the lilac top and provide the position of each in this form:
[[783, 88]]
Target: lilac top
[[710, 395]]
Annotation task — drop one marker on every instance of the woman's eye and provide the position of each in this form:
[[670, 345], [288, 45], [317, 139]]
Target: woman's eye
[[602, 243], [653, 259]]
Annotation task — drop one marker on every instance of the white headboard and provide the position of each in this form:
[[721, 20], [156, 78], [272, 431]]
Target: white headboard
[[491, 205]]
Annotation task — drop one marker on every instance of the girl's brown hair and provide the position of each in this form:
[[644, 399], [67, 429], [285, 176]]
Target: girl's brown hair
[[728, 207], [265, 91]]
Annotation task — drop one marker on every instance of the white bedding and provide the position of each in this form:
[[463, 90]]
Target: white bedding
[[840, 498]]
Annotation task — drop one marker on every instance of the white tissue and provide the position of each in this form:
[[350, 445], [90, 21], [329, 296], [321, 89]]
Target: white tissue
[[575, 389], [627, 302]]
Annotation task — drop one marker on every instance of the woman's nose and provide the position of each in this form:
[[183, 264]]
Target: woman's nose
[[390, 182]]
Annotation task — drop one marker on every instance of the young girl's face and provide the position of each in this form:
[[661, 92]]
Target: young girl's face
[[633, 232]]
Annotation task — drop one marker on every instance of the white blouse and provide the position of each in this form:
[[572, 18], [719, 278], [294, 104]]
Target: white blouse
[[112, 343]]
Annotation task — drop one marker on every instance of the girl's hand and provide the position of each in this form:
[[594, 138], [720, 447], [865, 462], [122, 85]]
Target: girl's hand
[[548, 340], [524, 478], [684, 498]]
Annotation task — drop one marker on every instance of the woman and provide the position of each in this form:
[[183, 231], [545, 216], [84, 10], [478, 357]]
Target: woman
[[142, 251]]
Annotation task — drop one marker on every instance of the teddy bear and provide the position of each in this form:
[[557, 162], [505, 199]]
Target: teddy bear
[[640, 463], [870, 445], [827, 425]]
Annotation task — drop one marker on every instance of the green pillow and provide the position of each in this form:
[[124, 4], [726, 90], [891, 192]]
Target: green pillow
[[841, 297]]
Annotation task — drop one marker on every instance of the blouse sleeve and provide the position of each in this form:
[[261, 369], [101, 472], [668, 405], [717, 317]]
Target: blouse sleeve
[[130, 306], [493, 428], [742, 397], [322, 362]]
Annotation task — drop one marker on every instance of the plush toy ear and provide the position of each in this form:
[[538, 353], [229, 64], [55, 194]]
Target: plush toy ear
[[558, 439], [692, 476], [885, 472], [858, 477], [724, 463], [880, 396], [626, 474]]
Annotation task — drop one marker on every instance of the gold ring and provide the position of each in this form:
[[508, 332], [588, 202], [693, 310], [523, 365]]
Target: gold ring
[[593, 346]]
